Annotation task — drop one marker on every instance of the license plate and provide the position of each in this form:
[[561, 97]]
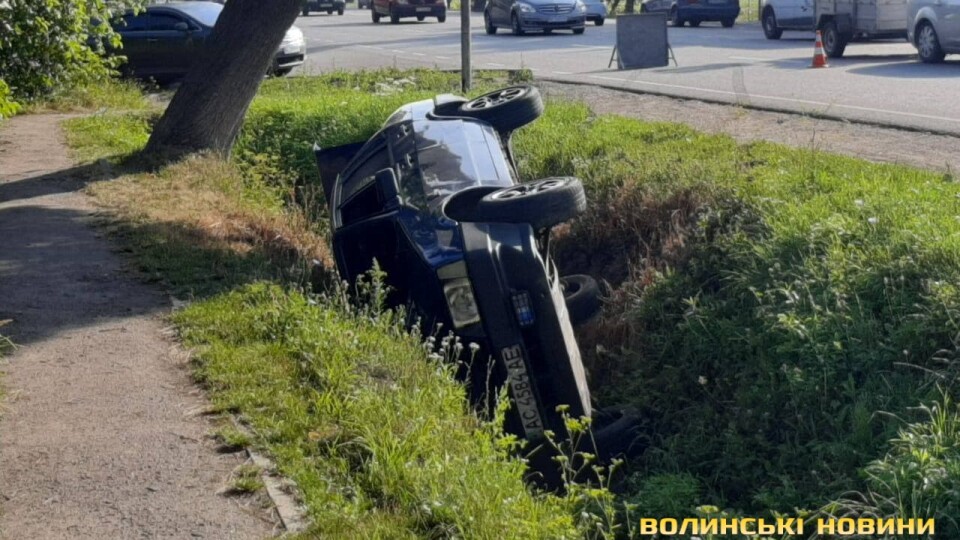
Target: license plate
[[423, 9], [522, 391], [558, 19], [325, 6]]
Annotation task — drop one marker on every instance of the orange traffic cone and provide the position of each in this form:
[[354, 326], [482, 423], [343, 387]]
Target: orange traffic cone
[[819, 59]]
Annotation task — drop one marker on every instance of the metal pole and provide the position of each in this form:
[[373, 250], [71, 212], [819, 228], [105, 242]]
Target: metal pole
[[465, 75]]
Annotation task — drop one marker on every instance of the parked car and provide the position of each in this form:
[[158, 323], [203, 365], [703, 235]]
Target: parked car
[[933, 27], [434, 198], [842, 21], [324, 5], [162, 41], [596, 11], [364, 4], [400, 9], [779, 15], [695, 11], [522, 16]]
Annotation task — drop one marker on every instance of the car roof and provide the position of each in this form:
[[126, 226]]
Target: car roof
[[203, 12]]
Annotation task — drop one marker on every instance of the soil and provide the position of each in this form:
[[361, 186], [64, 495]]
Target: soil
[[97, 435], [874, 143]]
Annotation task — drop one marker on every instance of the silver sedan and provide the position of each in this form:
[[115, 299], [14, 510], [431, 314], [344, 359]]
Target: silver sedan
[[933, 26], [596, 11]]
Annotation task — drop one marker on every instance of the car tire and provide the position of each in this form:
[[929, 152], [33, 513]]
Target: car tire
[[542, 203], [506, 109], [306, 12], [769, 23], [582, 295], [442, 18], [329, 12], [421, 17], [694, 23], [599, 22], [394, 18], [282, 72], [834, 43], [515, 25], [675, 18], [488, 24], [578, 31], [374, 16], [727, 23], [928, 44], [340, 11]]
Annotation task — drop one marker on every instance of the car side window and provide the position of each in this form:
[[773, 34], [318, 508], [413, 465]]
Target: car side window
[[365, 173], [160, 22], [131, 23]]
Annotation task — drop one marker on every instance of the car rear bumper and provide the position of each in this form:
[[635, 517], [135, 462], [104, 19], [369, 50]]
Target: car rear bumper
[[414, 10], [539, 21], [321, 5]]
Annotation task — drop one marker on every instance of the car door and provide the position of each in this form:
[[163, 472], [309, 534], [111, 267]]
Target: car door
[[948, 14], [133, 38], [805, 15], [170, 42], [499, 11], [786, 11]]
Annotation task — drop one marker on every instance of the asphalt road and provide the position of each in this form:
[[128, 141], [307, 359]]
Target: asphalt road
[[881, 82]]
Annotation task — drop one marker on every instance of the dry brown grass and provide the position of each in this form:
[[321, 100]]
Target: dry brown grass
[[206, 199]]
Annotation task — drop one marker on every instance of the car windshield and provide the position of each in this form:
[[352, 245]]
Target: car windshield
[[206, 13]]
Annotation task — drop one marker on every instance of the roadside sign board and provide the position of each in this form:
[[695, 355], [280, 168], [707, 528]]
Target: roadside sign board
[[642, 41]]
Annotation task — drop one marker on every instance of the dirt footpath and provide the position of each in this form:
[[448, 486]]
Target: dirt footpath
[[874, 143], [96, 436]]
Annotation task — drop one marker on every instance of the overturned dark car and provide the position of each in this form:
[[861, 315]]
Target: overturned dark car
[[434, 197]]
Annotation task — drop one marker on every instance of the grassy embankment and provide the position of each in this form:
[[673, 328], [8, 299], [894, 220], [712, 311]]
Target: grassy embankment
[[768, 306]]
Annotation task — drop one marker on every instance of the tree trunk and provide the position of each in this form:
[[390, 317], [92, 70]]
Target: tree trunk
[[630, 6], [207, 111]]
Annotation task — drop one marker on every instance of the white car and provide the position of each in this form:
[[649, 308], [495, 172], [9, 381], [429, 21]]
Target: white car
[[779, 15], [933, 26]]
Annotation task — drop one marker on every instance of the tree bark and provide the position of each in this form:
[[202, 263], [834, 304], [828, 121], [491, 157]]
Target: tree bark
[[630, 6], [207, 111]]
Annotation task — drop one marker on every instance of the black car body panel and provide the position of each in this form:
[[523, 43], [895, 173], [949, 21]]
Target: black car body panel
[[386, 200]]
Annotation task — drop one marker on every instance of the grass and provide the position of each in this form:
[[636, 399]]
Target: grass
[[767, 307], [113, 94]]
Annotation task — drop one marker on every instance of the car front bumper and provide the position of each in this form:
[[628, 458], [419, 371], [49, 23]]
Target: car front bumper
[[323, 5], [290, 56], [541, 21], [596, 12]]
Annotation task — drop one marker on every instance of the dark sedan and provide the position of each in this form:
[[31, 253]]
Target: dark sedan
[[695, 11], [521, 16], [162, 41]]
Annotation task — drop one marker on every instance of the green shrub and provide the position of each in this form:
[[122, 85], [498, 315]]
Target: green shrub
[[47, 46], [8, 107]]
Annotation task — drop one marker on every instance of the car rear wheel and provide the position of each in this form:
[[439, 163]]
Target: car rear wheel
[[694, 23], [394, 18], [515, 24], [420, 17], [306, 11], [675, 17], [582, 296], [442, 18], [488, 24], [726, 23], [506, 109], [543, 203], [598, 22], [374, 15], [928, 44], [770, 29], [578, 31], [340, 11], [329, 12], [834, 43]]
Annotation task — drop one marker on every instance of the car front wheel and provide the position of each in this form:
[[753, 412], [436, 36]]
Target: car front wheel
[[582, 296], [675, 18], [928, 44], [727, 23], [506, 109], [515, 23], [599, 22], [578, 31], [442, 18], [374, 16], [394, 18]]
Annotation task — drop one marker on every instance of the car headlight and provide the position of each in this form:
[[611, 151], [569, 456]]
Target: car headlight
[[293, 37], [525, 8], [462, 304], [581, 7]]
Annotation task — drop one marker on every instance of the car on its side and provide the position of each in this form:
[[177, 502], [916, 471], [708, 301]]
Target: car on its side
[[522, 16], [434, 198], [933, 27], [596, 11], [779, 15], [402, 9], [694, 12], [324, 5], [162, 41]]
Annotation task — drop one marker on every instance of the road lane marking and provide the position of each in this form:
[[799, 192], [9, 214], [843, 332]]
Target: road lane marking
[[776, 98]]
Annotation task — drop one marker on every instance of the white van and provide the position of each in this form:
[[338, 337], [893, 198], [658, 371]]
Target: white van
[[779, 15]]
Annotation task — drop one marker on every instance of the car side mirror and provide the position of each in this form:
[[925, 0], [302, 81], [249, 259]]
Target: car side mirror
[[181, 27], [386, 181]]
